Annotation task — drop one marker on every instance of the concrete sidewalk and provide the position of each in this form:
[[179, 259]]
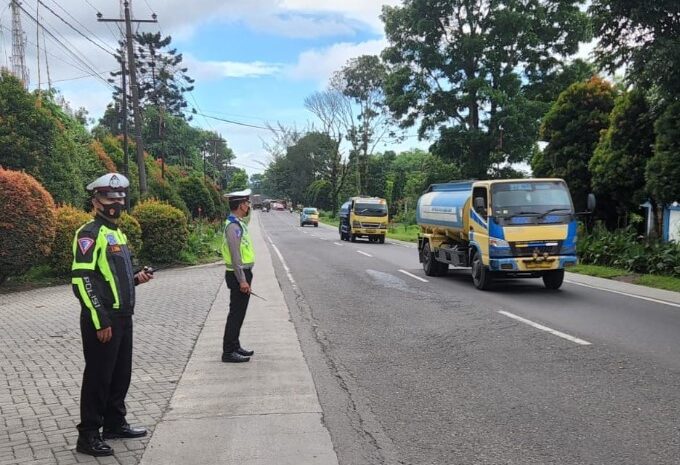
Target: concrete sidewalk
[[260, 413]]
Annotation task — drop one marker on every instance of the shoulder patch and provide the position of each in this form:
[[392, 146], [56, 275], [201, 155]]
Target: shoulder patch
[[84, 244], [111, 239]]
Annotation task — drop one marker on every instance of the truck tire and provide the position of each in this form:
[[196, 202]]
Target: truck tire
[[352, 237], [382, 239], [553, 279], [481, 277], [431, 266]]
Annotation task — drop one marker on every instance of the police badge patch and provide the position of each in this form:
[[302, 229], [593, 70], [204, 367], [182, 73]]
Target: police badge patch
[[111, 239], [84, 244]]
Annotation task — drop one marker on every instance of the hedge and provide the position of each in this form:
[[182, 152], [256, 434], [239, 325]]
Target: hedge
[[27, 223], [68, 220], [164, 231], [131, 228]]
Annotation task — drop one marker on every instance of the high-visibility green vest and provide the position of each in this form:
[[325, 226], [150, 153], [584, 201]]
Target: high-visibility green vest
[[246, 248]]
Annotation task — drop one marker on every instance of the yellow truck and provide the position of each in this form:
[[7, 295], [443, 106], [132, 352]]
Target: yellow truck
[[363, 217], [499, 229]]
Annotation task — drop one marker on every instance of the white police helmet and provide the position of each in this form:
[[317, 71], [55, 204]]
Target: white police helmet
[[239, 195], [111, 185]]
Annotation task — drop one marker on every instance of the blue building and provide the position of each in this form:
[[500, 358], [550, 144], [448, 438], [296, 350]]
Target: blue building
[[671, 222]]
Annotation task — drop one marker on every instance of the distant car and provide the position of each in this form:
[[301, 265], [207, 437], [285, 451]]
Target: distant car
[[309, 216], [277, 206]]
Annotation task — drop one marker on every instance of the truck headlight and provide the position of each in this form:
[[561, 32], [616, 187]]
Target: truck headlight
[[383, 226], [498, 243]]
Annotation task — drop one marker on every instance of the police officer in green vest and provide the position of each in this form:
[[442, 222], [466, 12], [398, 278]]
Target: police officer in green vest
[[104, 283], [239, 258]]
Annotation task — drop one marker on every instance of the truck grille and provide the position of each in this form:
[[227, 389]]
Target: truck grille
[[528, 249], [370, 225]]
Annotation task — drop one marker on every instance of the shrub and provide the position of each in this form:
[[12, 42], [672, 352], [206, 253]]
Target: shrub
[[27, 224], [130, 226], [197, 197], [68, 220], [164, 230]]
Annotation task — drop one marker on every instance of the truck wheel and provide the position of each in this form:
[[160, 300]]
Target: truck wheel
[[481, 277], [382, 239], [316, 225], [553, 279], [352, 237], [430, 265]]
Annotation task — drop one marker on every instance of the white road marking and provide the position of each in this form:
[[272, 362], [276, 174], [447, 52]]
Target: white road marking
[[545, 328], [413, 276], [364, 253], [337, 243], [283, 263], [650, 299]]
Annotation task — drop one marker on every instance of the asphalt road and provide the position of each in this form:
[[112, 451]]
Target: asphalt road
[[418, 370]]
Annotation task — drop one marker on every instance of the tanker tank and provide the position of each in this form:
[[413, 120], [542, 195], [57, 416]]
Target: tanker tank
[[444, 209]]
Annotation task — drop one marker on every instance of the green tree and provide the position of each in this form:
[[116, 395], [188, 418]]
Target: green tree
[[643, 37], [197, 197], [663, 169], [454, 68], [572, 129], [618, 164], [362, 79], [238, 181]]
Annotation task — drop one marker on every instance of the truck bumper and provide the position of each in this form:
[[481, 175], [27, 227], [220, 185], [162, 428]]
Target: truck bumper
[[369, 232], [530, 265]]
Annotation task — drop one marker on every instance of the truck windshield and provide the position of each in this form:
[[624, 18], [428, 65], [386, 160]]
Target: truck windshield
[[310, 211], [531, 198], [370, 209]]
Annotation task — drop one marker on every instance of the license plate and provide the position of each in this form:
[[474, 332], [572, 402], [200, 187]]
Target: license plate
[[538, 264]]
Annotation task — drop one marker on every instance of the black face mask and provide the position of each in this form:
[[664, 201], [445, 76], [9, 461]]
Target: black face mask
[[112, 211]]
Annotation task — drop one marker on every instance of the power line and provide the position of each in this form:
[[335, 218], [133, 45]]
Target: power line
[[80, 24], [83, 76], [239, 123], [75, 29], [70, 50]]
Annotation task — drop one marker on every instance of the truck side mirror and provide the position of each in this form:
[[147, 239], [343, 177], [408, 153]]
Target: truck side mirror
[[480, 204], [592, 202]]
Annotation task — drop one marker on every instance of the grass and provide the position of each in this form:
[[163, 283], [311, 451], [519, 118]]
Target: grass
[[407, 233], [668, 283], [36, 277], [598, 271]]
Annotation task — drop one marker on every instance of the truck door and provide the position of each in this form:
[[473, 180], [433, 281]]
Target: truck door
[[479, 225]]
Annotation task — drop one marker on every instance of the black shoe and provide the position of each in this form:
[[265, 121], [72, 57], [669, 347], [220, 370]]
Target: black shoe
[[234, 357], [124, 431], [245, 352], [92, 444]]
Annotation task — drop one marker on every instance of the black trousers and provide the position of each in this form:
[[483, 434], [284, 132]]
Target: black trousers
[[108, 368], [238, 304]]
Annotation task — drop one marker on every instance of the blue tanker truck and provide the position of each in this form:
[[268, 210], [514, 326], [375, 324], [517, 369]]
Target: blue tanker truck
[[499, 229]]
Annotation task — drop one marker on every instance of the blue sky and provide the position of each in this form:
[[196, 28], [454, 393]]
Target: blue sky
[[254, 61]]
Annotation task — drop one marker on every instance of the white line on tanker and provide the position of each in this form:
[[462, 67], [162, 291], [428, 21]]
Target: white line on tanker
[[413, 276], [364, 253], [545, 328]]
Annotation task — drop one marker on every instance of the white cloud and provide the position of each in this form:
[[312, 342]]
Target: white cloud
[[364, 11], [209, 70], [320, 64]]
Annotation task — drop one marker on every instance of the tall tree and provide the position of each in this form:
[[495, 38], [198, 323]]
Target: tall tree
[[663, 169], [572, 129], [362, 79], [618, 164], [334, 111], [643, 37], [455, 69]]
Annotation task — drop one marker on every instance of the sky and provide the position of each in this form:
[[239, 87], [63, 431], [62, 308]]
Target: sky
[[254, 61]]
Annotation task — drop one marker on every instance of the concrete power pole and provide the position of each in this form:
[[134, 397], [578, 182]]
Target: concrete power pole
[[19, 68], [134, 87]]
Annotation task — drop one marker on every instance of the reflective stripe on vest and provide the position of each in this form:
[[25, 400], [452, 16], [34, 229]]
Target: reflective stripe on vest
[[246, 248]]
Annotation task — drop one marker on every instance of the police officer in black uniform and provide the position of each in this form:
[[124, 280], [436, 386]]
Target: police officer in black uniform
[[104, 283]]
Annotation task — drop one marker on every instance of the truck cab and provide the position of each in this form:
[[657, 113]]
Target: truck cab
[[363, 217]]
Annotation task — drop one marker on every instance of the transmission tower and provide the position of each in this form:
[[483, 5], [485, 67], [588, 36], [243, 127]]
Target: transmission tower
[[19, 68]]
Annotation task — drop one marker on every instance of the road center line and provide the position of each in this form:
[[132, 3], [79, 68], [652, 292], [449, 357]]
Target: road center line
[[337, 243], [413, 276], [364, 253], [545, 328], [283, 263], [649, 299]]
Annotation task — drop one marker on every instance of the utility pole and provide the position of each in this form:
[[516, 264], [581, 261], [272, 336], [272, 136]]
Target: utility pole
[[134, 87], [124, 112], [214, 142]]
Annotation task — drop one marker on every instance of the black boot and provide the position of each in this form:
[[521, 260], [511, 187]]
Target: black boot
[[124, 431], [234, 357], [245, 352], [92, 444]]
